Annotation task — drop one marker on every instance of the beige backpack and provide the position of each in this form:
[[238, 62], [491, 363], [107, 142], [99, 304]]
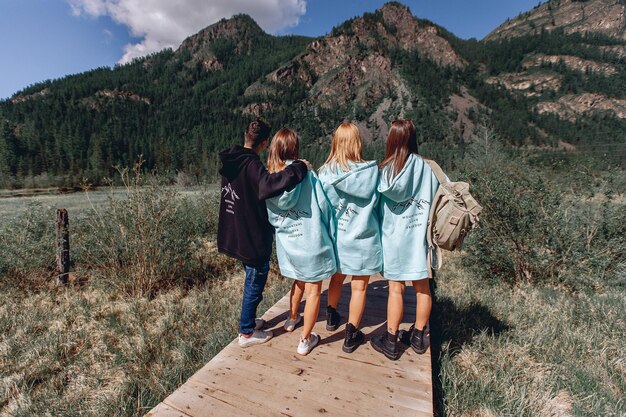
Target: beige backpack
[[453, 214]]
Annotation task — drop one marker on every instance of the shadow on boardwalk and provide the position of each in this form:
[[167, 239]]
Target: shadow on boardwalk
[[449, 325], [376, 303], [265, 380]]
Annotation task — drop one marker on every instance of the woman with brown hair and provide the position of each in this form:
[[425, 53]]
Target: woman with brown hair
[[350, 184], [302, 219], [407, 187]]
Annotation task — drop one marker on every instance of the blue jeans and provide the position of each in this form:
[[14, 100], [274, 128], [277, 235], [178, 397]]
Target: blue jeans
[[256, 277]]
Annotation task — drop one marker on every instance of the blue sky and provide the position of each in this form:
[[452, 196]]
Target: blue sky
[[44, 39]]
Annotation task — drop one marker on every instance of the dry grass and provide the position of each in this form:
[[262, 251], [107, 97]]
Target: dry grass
[[114, 345], [528, 350], [88, 351]]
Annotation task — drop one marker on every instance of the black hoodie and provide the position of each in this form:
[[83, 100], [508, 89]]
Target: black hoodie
[[243, 231]]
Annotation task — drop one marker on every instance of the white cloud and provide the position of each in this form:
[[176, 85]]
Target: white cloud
[[166, 23], [108, 36]]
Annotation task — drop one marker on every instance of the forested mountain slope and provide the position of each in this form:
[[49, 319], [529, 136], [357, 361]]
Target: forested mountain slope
[[549, 87]]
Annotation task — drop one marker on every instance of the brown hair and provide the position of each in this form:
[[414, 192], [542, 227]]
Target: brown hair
[[346, 146], [285, 145], [258, 131], [401, 142]]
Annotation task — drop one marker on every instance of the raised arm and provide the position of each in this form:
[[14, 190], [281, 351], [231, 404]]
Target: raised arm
[[270, 185], [326, 209]]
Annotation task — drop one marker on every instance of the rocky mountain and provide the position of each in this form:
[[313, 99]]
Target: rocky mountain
[[534, 81], [606, 17], [354, 67], [574, 63], [211, 46]]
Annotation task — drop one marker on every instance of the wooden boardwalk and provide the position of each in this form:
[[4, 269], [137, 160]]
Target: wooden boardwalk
[[273, 380]]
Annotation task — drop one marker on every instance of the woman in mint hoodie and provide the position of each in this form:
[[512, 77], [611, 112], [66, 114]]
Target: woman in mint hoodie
[[302, 219], [407, 187], [350, 184]]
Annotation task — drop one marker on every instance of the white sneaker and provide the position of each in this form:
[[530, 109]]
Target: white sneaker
[[306, 345], [290, 324], [259, 324], [257, 337]]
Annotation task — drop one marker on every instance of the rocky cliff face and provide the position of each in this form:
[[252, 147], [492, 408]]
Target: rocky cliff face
[[236, 33], [353, 65], [607, 17], [571, 106], [529, 84], [571, 62], [550, 79]]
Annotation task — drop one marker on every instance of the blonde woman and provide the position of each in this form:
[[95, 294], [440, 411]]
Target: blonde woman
[[303, 221], [351, 186]]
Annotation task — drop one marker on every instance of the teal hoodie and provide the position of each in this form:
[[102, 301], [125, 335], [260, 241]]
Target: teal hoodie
[[303, 221], [354, 197], [404, 208]]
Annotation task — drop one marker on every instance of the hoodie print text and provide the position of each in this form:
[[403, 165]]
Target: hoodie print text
[[344, 213], [293, 230], [230, 196], [412, 220]]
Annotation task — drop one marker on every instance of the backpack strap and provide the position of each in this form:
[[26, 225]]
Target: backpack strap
[[441, 177], [433, 249]]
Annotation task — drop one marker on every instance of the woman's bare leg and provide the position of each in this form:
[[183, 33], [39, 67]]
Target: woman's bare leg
[[357, 299], [312, 307], [334, 289], [424, 303], [297, 289], [395, 306]]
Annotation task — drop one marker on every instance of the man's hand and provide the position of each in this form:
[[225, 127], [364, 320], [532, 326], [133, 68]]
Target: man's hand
[[308, 164]]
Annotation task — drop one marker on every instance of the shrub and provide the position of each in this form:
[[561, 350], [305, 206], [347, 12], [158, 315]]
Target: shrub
[[27, 251], [152, 239], [534, 230]]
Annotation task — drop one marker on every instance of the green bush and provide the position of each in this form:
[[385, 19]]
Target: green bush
[[151, 239], [27, 251], [535, 230]]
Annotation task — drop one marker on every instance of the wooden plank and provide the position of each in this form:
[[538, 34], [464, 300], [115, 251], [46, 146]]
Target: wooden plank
[[272, 379], [308, 390], [164, 410], [235, 391], [267, 399], [344, 366], [198, 404], [338, 385], [364, 355]]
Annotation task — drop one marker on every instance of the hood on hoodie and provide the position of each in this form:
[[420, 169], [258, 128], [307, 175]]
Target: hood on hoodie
[[404, 185], [287, 199], [359, 182], [234, 159]]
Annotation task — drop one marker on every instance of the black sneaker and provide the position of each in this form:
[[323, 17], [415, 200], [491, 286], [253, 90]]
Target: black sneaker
[[332, 319], [387, 344], [405, 335], [419, 340], [353, 339]]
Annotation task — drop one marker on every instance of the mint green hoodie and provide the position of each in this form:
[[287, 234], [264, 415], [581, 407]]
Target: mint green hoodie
[[405, 204], [355, 199], [303, 221]]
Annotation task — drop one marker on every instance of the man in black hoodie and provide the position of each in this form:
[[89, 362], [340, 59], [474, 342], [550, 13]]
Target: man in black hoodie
[[244, 231]]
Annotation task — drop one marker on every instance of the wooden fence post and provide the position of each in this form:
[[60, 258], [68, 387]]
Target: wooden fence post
[[63, 246]]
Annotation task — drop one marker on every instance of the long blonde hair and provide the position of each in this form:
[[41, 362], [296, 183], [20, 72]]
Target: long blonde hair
[[346, 146], [285, 145]]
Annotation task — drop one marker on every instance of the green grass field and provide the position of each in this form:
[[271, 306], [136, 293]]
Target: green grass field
[[76, 203]]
